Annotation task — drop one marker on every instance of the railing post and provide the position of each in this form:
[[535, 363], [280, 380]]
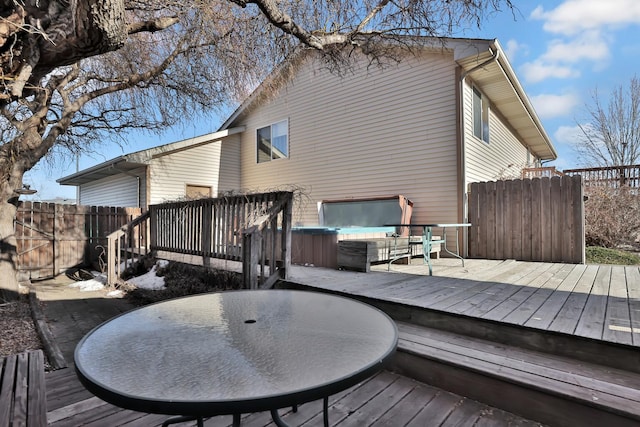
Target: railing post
[[207, 219], [153, 227], [113, 248], [287, 214], [250, 258]]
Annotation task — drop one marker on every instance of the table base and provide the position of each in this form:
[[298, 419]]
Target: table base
[[183, 418], [236, 417]]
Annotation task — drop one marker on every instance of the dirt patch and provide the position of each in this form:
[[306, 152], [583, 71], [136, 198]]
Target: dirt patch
[[17, 329]]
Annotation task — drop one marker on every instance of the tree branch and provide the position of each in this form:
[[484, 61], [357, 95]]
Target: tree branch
[[153, 25], [285, 22], [370, 16]]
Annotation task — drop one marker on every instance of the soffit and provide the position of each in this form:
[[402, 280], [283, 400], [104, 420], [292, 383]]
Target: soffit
[[101, 171], [498, 82]]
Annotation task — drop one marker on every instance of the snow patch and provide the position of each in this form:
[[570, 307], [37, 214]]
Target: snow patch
[[150, 280], [95, 284]]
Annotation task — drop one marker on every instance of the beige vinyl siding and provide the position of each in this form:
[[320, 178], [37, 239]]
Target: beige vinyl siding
[[170, 174], [229, 168], [503, 157], [118, 190], [370, 133]]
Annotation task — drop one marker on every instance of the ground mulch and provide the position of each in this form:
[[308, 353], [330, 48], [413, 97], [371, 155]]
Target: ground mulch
[[17, 330]]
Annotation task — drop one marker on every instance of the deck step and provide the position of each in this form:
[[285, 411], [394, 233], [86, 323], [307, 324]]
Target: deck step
[[551, 389]]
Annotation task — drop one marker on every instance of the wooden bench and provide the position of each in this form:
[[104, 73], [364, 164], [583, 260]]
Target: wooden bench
[[22, 390]]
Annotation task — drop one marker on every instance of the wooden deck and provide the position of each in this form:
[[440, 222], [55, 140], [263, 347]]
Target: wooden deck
[[596, 308], [599, 302], [387, 399]]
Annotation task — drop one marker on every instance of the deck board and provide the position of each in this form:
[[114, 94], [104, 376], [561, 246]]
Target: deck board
[[567, 318], [407, 408], [525, 311], [565, 298], [523, 290], [617, 321], [545, 315], [633, 291], [436, 411], [497, 294], [386, 399], [591, 323]]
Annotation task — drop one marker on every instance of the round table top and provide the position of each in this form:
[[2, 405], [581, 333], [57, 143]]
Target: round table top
[[234, 352]]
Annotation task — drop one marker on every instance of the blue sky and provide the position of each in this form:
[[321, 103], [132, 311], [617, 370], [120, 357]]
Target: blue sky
[[561, 51]]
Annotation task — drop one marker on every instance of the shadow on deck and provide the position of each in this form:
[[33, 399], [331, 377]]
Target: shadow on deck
[[556, 343]]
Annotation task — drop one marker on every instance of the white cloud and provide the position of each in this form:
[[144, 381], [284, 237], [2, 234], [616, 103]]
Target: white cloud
[[549, 106], [590, 46], [574, 16], [539, 70], [569, 135], [587, 29], [565, 138], [513, 49]]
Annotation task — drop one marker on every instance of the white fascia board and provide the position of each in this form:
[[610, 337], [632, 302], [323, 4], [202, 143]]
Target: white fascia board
[[144, 156]]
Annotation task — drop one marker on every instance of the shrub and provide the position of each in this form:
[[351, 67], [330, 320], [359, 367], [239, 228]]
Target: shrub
[[612, 216], [183, 279]]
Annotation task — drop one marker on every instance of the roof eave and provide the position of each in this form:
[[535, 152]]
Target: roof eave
[[540, 144], [137, 159], [103, 170]]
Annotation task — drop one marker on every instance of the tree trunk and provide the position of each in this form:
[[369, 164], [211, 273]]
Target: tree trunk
[[39, 36], [9, 289], [12, 171]]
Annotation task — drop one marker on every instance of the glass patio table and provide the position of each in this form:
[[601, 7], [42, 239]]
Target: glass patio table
[[234, 352]]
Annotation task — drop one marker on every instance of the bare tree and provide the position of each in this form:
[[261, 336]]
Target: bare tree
[[73, 72], [611, 136]]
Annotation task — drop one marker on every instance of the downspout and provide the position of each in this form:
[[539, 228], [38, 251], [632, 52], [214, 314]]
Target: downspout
[[463, 168]]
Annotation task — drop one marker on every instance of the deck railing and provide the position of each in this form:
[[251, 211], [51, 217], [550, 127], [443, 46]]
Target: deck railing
[[126, 246], [265, 261], [253, 229], [610, 176], [542, 172]]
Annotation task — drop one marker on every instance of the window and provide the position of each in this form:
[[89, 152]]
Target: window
[[273, 142], [198, 191], [480, 116]]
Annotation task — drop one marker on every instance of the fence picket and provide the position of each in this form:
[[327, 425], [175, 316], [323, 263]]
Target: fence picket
[[53, 238]]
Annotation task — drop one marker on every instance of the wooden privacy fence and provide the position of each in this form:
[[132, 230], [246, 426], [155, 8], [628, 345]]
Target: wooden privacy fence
[[52, 238], [253, 229], [539, 219]]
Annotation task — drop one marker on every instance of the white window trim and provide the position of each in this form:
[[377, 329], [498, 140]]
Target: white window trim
[[484, 115], [271, 125]]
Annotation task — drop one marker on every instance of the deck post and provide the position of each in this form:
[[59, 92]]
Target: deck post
[[287, 214], [250, 258]]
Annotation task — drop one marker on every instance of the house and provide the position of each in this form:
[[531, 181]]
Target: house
[[185, 169], [452, 112]]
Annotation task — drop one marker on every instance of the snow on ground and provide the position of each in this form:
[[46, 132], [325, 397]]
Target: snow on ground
[[148, 280], [95, 284]]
